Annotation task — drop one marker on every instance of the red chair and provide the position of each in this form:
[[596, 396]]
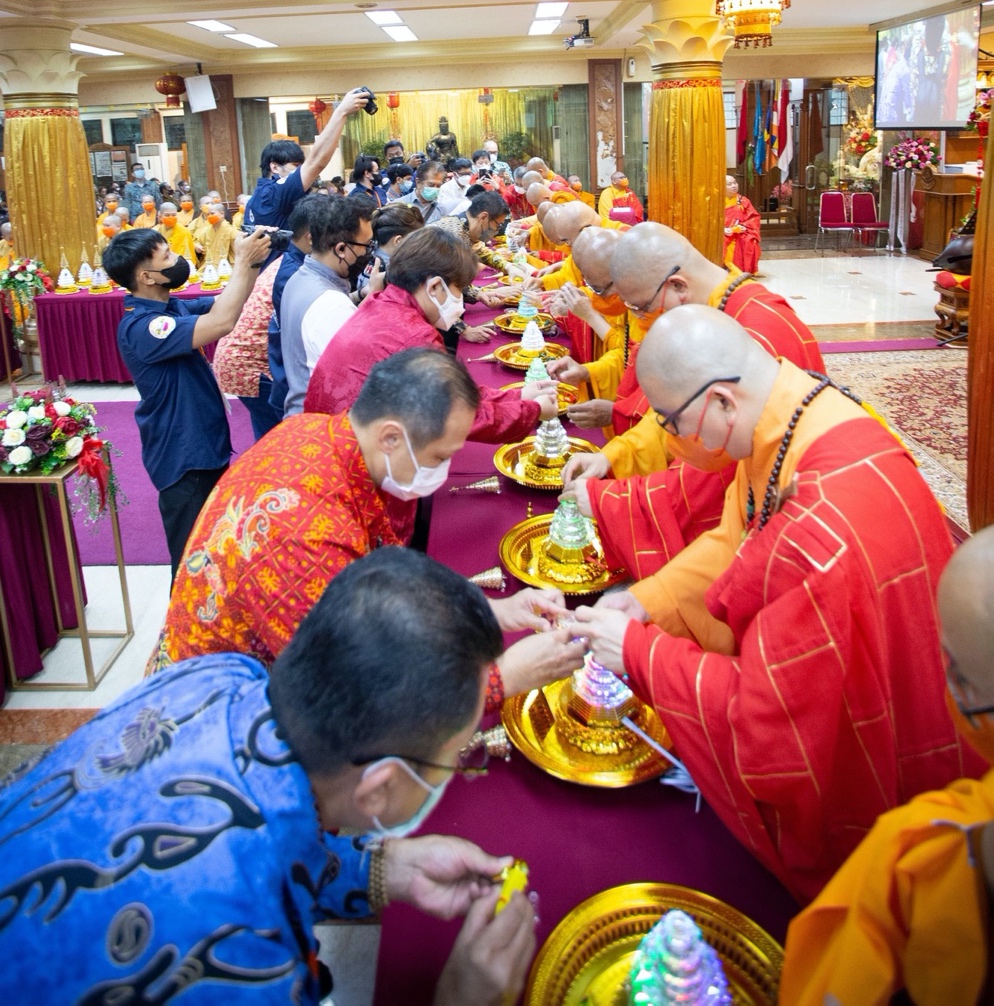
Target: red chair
[[864, 216], [832, 217]]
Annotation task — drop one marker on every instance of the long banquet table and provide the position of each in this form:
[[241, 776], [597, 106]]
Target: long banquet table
[[77, 333], [576, 840]]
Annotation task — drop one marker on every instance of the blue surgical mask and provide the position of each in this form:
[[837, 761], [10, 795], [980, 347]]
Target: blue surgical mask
[[405, 186], [139, 172], [429, 194], [411, 825]]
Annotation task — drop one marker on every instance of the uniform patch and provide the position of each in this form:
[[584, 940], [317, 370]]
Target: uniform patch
[[161, 326]]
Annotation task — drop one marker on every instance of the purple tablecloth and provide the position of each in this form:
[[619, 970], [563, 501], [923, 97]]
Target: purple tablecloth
[[577, 840], [77, 333]]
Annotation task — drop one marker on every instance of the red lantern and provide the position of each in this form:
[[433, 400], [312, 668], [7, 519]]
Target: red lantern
[[393, 99], [317, 107], [172, 86]]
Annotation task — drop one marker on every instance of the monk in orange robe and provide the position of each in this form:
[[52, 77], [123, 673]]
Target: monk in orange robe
[[777, 648], [618, 202], [741, 229], [909, 910]]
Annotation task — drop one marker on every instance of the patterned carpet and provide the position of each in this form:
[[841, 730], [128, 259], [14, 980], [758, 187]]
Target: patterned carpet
[[923, 395]]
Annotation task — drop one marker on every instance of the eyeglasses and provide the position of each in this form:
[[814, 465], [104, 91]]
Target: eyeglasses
[[648, 304], [369, 246], [957, 683], [471, 765], [600, 293], [668, 421]]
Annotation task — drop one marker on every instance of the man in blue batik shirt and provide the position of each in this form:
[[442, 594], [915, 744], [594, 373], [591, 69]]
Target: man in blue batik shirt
[[179, 842]]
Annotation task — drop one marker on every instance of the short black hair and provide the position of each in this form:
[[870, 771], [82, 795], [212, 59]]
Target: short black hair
[[429, 168], [475, 190], [127, 251], [461, 164], [388, 662], [337, 220], [477, 154], [489, 202], [429, 252], [280, 152], [363, 163], [391, 145], [396, 171], [302, 213], [396, 218], [417, 387]]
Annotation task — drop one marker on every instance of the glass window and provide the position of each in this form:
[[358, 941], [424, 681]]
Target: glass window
[[94, 130], [125, 132], [175, 129], [838, 114], [731, 120], [302, 125]]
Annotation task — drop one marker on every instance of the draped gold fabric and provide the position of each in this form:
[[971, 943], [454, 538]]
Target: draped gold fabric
[[528, 110], [49, 188], [687, 161], [980, 372]]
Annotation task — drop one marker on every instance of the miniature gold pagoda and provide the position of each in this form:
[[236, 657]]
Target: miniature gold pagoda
[[571, 553], [592, 707]]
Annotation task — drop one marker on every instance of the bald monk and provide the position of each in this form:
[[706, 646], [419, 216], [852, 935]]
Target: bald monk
[[618, 202], [6, 244], [109, 230], [111, 202], [555, 182], [148, 214], [909, 910], [179, 237], [742, 222], [655, 269], [792, 652]]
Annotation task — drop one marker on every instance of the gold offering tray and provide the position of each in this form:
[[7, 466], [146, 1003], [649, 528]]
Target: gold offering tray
[[541, 729], [510, 461], [510, 323], [587, 957], [567, 394], [510, 355], [519, 551]]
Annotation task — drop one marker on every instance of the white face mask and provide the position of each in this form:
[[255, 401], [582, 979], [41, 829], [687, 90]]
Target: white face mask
[[462, 181], [411, 825], [425, 481], [493, 157], [520, 189], [450, 310]]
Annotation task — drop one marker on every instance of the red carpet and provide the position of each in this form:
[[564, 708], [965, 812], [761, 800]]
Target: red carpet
[[878, 345], [141, 528]]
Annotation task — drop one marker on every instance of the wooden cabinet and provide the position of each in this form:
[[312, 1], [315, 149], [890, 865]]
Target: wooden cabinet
[[948, 198]]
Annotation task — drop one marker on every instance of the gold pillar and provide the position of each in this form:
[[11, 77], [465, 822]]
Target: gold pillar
[[687, 44], [49, 186], [980, 372]]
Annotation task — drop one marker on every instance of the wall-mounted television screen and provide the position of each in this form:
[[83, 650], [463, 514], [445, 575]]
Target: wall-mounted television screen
[[927, 71]]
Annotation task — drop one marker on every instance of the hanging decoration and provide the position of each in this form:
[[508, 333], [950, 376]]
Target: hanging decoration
[[317, 108], [751, 21], [393, 103], [486, 99], [172, 85]]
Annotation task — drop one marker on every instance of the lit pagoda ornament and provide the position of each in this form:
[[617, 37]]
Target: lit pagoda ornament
[[675, 965], [65, 283], [224, 271], [550, 451], [572, 552], [101, 281], [527, 309], [593, 707], [532, 341], [194, 276], [536, 371], [209, 279], [84, 277]]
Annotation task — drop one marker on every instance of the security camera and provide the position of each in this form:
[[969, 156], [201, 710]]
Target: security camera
[[582, 39]]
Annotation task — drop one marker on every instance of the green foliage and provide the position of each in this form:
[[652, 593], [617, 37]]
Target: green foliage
[[516, 148]]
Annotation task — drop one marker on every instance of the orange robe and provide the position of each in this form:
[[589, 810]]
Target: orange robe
[[907, 911], [742, 246], [295, 509], [798, 668]]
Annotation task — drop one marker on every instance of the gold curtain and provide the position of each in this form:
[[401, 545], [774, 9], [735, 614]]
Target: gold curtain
[[528, 110], [687, 160], [49, 187], [980, 372]]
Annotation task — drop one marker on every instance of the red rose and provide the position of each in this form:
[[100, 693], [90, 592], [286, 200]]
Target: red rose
[[50, 411], [69, 426]]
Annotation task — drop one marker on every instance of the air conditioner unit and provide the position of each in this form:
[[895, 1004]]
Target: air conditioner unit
[[155, 157]]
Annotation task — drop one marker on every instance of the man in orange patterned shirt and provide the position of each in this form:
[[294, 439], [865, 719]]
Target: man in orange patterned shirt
[[318, 492]]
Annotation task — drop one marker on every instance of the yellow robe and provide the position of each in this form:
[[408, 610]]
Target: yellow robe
[[218, 243], [607, 370], [185, 218], [907, 910], [197, 227], [6, 253], [145, 220], [238, 219], [180, 240]]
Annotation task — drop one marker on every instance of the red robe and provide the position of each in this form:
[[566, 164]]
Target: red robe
[[742, 249], [388, 322], [646, 520], [799, 671]]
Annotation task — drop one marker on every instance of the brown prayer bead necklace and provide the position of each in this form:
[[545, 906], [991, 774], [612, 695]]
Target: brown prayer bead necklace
[[732, 287], [774, 498]]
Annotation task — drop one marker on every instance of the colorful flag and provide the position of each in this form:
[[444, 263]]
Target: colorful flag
[[785, 149], [758, 137], [773, 127], [742, 132]]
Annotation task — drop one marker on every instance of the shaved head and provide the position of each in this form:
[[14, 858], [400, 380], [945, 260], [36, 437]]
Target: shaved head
[[531, 177], [168, 208], [537, 164], [966, 611], [572, 217], [592, 253], [538, 194]]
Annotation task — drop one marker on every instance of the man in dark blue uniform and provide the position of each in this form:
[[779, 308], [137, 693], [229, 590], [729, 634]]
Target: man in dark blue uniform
[[181, 416]]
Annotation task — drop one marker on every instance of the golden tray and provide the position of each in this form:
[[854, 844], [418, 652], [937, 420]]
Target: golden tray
[[512, 325], [507, 458], [530, 724], [509, 355], [567, 394], [516, 553], [587, 957]]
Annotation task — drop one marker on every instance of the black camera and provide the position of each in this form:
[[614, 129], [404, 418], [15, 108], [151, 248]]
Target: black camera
[[279, 240], [370, 108]]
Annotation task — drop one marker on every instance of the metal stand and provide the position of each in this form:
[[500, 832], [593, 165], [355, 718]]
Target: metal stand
[[59, 480]]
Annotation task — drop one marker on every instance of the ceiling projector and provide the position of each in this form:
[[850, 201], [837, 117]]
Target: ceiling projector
[[583, 39]]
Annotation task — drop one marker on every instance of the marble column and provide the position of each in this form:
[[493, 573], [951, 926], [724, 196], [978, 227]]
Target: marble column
[[49, 186], [686, 44]]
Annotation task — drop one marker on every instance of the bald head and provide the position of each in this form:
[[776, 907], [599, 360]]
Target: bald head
[[5, 231], [693, 347], [538, 194], [537, 164], [966, 611], [592, 253], [573, 217], [531, 177], [168, 208]]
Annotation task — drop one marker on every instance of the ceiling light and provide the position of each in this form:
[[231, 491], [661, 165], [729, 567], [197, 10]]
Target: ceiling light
[[93, 50], [259, 43], [551, 10], [751, 20], [543, 27], [401, 33], [211, 25], [382, 17]]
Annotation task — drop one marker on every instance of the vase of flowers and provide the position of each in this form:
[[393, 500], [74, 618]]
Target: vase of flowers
[[913, 153], [860, 141], [22, 281], [45, 429]]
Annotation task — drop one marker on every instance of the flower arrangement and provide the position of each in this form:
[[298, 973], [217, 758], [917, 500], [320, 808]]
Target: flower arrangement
[[979, 119], [913, 152], [784, 192], [46, 429], [25, 277], [860, 141]]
